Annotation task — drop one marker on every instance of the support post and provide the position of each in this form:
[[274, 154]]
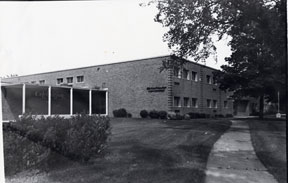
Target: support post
[[106, 103], [71, 101], [23, 98], [49, 101], [90, 102], [2, 173]]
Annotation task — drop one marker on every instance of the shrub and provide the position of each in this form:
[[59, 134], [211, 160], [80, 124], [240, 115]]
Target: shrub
[[120, 113], [129, 115], [186, 116], [193, 115], [179, 116], [201, 115], [229, 115], [162, 114], [171, 115], [20, 153], [154, 114], [144, 114], [79, 137]]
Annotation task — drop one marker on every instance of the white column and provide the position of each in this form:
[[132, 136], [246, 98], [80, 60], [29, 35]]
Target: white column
[[71, 101], [107, 102], [23, 98], [90, 102], [49, 101], [2, 173]]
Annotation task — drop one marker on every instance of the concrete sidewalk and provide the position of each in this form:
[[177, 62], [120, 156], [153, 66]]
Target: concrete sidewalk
[[233, 159]]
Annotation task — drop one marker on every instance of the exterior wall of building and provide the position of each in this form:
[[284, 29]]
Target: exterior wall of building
[[131, 85], [201, 90], [138, 85]]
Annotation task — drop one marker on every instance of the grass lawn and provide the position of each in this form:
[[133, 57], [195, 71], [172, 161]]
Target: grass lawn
[[140, 151], [269, 141]]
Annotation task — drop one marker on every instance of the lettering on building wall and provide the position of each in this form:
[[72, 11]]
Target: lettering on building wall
[[156, 89]]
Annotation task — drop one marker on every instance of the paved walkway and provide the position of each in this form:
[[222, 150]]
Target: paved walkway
[[233, 159]]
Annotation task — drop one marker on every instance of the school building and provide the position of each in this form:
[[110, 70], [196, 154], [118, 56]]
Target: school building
[[134, 85]]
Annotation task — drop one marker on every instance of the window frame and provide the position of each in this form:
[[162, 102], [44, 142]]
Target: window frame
[[67, 79], [81, 76], [196, 76], [59, 83], [196, 102]]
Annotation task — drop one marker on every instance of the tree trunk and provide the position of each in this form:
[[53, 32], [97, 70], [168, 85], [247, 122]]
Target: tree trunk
[[261, 107]]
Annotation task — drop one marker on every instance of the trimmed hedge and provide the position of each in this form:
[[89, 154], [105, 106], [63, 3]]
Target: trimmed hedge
[[144, 114], [79, 137], [154, 114], [162, 114], [120, 113]]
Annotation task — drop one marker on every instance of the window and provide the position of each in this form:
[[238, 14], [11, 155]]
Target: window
[[186, 102], [80, 79], [69, 80], [214, 103], [42, 82], [209, 103], [177, 73], [176, 83], [59, 81], [225, 104], [194, 102], [214, 81], [208, 78], [177, 102], [194, 76], [33, 82], [185, 74]]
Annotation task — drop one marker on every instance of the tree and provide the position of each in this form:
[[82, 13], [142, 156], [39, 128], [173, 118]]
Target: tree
[[256, 66]]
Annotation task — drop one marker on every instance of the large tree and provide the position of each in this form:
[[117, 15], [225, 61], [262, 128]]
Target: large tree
[[257, 29]]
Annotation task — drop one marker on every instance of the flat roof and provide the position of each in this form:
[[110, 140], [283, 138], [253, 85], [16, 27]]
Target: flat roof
[[123, 62]]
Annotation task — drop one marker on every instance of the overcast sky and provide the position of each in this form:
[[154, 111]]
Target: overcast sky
[[39, 37]]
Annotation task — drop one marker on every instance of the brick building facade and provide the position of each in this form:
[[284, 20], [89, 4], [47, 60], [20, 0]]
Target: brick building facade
[[139, 84]]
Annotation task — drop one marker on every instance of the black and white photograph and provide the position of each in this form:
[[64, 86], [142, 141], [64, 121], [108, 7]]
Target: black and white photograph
[[143, 91]]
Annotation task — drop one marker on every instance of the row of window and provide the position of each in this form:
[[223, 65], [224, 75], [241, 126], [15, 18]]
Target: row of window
[[69, 80], [194, 102], [185, 74]]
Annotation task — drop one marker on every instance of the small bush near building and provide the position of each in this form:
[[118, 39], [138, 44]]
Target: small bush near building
[[154, 114], [120, 113], [129, 115], [79, 137], [171, 115], [229, 115], [163, 114], [187, 117], [144, 114]]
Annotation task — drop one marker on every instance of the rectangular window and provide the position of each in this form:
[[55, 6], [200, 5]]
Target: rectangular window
[[214, 81], [80, 79], [194, 102], [176, 83], [208, 79], [214, 103], [185, 74], [177, 73], [209, 103], [194, 76], [225, 104], [177, 102], [59, 81], [33, 82], [42, 82], [69, 80], [186, 102]]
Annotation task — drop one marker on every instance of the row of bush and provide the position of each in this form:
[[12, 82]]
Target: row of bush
[[79, 137]]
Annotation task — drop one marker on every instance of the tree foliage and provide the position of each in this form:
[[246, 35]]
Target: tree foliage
[[257, 29]]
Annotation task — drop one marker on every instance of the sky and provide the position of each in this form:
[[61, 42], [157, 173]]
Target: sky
[[38, 37]]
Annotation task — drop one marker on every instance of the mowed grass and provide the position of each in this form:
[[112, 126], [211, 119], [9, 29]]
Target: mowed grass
[[269, 141], [139, 151]]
